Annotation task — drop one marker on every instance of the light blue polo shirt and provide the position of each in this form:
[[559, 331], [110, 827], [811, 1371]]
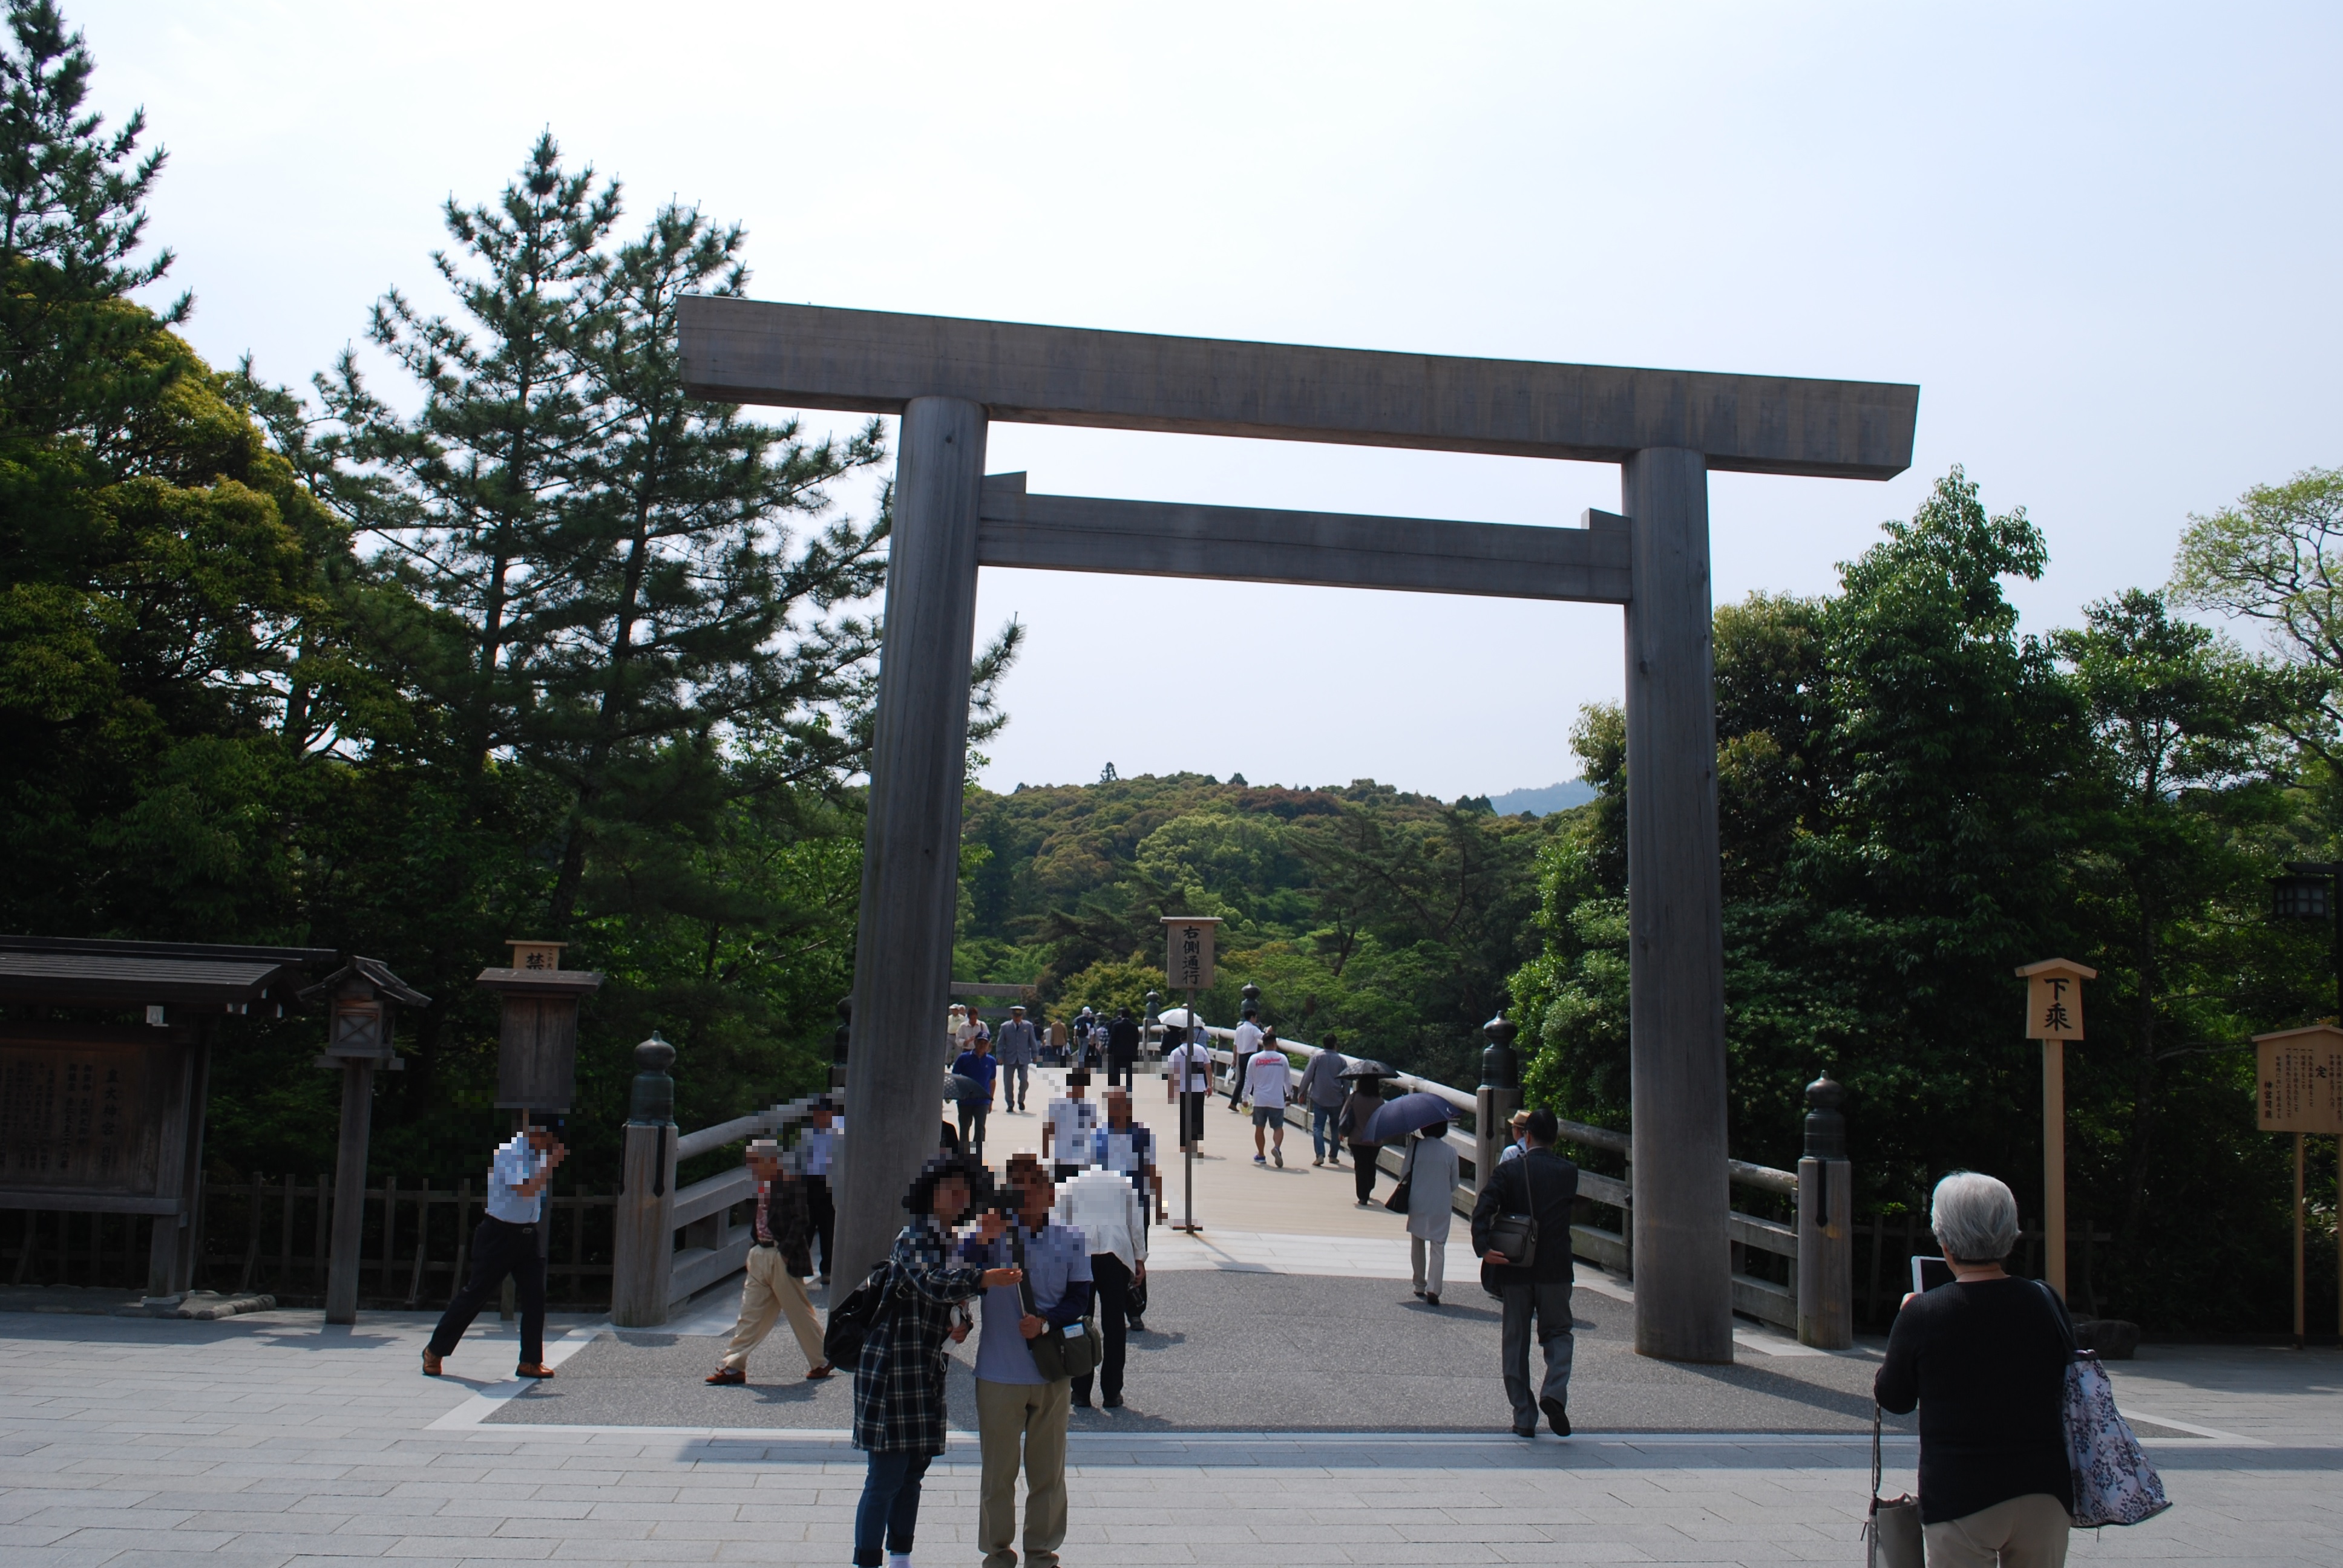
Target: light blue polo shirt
[[1054, 1259]]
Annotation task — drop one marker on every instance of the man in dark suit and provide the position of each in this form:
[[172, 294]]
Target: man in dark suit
[[1121, 1047], [1544, 1185]]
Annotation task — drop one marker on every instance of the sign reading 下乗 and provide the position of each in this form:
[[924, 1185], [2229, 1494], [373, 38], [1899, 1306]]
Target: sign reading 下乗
[[2054, 998], [1187, 951], [2299, 1079]]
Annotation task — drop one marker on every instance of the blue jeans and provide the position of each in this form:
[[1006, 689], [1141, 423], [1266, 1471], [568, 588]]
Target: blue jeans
[[889, 1509], [1323, 1138]]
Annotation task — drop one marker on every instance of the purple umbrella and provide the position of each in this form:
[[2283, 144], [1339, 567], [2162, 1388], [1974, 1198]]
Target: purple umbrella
[[1399, 1117]]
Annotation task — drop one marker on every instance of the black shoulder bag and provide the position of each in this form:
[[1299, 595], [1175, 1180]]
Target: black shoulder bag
[[1517, 1235], [850, 1321], [1072, 1351]]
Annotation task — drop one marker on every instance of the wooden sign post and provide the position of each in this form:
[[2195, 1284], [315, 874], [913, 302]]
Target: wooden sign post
[[1188, 961], [2298, 1088], [2053, 1015]]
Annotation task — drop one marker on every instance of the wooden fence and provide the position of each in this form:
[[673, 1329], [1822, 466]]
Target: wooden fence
[[265, 1234]]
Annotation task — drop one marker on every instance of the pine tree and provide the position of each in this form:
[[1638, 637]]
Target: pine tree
[[693, 621], [470, 494], [75, 356]]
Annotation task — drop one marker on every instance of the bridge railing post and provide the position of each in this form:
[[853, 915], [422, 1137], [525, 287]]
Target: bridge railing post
[[642, 1258], [1826, 1224], [1497, 1099]]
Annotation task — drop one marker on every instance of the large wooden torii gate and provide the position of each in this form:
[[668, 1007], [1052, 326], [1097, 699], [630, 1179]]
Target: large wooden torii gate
[[947, 378]]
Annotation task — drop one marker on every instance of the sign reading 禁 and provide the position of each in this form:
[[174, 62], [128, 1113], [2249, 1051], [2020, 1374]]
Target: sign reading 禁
[[1188, 951], [2299, 1079]]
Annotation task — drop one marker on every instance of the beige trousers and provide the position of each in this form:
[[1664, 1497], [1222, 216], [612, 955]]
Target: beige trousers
[[770, 1291], [2029, 1532], [1034, 1414], [1430, 1261]]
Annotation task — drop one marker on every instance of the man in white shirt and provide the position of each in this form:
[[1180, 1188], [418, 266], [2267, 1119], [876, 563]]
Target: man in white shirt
[[1070, 1129], [1188, 1083], [1240, 1050], [817, 1147], [1269, 1079], [1105, 1210], [507, 1242], [1128, 1147]]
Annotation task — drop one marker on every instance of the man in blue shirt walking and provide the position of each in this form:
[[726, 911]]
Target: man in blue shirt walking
[[1013, 1405], [975, 1064], [507, 1242]]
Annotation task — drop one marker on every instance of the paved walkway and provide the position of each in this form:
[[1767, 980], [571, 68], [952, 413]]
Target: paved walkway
[[1292, 1405]]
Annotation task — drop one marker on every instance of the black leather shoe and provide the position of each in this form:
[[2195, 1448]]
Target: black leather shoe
[[1555, 1416], [1525, 1431], [1114, 1403]]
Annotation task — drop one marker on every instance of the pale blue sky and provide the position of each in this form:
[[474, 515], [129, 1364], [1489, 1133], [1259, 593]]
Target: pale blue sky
[[2102, 238]]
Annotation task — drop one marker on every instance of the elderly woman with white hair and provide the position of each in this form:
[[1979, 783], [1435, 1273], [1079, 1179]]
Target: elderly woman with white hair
[[1984, 1360]]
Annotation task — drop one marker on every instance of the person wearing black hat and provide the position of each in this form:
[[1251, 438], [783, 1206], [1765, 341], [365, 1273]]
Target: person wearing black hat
[[1246, 1040], [899, 1419]]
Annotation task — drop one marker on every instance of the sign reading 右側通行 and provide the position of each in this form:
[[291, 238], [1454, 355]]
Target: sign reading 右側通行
[[2298, 1081], [1187, 951]]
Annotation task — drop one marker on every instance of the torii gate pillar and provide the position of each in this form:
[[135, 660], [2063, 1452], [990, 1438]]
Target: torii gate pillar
[[1675, 919], [910, 846]]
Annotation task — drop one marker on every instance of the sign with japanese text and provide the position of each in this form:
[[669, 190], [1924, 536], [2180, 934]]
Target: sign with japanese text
[[2298, 1081], [2054, 998], [1187, 951], [82, 1117]]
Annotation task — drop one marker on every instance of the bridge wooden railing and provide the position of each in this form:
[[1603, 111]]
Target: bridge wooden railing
[[1756, 1293], [670, 1242]]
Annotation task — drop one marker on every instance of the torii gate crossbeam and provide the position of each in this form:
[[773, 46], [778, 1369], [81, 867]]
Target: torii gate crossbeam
[[1666, 428]]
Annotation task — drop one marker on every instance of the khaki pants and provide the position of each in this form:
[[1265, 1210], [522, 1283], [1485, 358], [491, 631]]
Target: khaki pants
[[770, 1291], [2029, 1532], [1034, 1414], [1430, 1262]]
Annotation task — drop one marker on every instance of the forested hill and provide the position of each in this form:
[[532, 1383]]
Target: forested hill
[[1390, 920]]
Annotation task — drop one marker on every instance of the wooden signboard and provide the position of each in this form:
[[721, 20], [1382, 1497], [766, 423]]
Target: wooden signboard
[[1187, 951], [2054, 998], [2298, 1081], [2053, 1015], [88, 1115]]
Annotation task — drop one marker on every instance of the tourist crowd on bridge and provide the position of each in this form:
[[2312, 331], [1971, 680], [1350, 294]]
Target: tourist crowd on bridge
[[1055, 1242]]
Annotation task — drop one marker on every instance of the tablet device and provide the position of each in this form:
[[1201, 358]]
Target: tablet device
[[1927, 1273]]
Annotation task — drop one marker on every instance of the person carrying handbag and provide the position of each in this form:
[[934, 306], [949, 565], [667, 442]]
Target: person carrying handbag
[[1984, 1359], [1428, 1176], [1016, 1406], [1521, 1228]]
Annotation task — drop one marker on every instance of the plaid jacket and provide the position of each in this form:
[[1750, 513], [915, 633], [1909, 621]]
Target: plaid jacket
[[898, 1383]]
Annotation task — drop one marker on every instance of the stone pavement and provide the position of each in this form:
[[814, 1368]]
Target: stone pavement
[[1291, 1404], [273, 1440]]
